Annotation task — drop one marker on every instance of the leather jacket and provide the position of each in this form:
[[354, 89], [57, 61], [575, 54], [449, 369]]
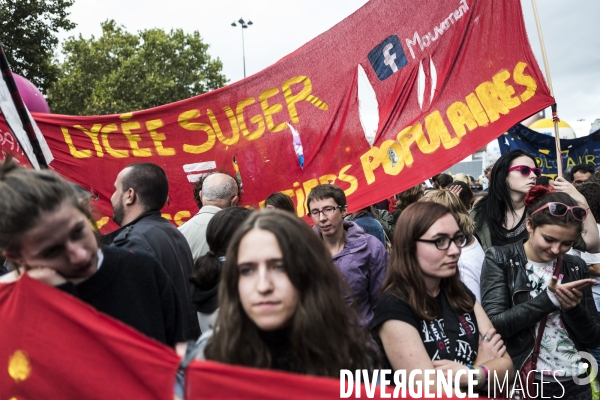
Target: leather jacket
[[505, 293]]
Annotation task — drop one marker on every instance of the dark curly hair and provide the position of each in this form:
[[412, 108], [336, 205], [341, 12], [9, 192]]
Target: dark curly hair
[[591, 192]]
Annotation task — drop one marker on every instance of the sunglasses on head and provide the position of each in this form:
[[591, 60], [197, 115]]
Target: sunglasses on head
[[560, 210], [526, 170]]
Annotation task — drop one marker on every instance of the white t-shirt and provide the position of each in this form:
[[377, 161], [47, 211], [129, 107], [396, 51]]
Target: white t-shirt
[[590, 259], [558, 353], [469, 267]]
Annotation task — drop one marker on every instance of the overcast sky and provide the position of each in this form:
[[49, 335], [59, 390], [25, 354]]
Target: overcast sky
[[280, 27]]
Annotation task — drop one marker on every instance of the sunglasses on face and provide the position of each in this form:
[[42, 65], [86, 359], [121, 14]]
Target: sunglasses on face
[[560, 210], [526, 170]]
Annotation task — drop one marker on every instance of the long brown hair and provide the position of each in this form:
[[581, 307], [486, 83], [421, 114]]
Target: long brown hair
[[324, 332], [405, 278]]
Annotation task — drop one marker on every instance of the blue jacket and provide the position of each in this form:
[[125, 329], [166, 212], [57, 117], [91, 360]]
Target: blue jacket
[[371, 226]]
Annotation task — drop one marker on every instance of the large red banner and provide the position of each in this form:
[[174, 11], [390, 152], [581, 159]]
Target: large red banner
[[395, 93], [53, 346]]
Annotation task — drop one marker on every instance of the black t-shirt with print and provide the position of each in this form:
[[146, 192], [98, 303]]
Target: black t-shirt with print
[[432, 333], [510, 236]]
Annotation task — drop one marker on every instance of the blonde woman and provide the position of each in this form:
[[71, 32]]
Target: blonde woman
[[472, 256]]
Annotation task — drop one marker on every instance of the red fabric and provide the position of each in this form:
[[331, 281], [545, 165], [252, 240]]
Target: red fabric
[[477, 52], [392, 203], [10, 145], [75, 352], [52, 346], [210, 380]]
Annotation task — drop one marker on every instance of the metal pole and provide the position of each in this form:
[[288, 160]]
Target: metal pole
[[549, 78], [20, 106], [243, 52]]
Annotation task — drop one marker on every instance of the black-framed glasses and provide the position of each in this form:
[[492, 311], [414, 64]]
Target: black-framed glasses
[[327, 211], [526, 170], [443, 243]]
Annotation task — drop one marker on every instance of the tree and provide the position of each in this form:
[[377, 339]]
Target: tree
[[121, 72], [27, 30]]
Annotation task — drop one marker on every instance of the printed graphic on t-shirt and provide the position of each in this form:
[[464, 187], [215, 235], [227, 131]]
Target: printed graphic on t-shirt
[[558, 353], [436, 342]]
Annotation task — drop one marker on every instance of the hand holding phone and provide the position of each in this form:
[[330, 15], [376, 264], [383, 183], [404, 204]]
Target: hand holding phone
[[569, 294], [581, 284]]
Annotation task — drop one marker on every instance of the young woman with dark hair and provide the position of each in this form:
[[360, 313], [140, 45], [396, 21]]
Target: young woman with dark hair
[[500, 217], [280, 201], [207, 269], [282, 303], [472, 255], [426, 317], [46, 232], [538, 296]]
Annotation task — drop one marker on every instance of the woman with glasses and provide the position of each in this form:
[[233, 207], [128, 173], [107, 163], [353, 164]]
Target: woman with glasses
[[426, 317], [539, 298], [500, 217], [472, 255]]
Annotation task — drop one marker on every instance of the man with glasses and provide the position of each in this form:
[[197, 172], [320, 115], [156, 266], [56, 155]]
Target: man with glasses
[[360, 257]]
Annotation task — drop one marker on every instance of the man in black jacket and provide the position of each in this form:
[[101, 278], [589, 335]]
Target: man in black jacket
[[141, 190]]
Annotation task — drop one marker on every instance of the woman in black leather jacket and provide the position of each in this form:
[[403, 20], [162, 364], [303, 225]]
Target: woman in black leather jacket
[[518, 290]]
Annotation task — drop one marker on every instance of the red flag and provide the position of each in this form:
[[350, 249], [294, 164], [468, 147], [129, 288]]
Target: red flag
[[53, 346], [395, 93], [210, 380], [10, 145]]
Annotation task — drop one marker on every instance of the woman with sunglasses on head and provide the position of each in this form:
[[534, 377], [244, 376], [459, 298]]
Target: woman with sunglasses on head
[[539, 298], [426, 317], [500, 218]]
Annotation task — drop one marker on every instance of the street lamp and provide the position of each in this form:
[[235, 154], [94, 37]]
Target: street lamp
[[244, 25]]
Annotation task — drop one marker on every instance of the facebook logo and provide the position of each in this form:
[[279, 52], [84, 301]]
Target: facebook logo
[[387, 58]]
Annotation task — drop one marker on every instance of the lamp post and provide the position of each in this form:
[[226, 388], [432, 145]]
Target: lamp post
[[244, 25]]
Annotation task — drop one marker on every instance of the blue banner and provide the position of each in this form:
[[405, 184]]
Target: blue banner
[[585, 150]]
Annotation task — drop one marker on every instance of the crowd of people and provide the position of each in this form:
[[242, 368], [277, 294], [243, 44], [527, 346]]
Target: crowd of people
[[438, 277]]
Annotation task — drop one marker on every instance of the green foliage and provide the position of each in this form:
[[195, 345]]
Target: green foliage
[[121, 71], [27, 30]]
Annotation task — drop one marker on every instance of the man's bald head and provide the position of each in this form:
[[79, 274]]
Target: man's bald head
[[219, 190]]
